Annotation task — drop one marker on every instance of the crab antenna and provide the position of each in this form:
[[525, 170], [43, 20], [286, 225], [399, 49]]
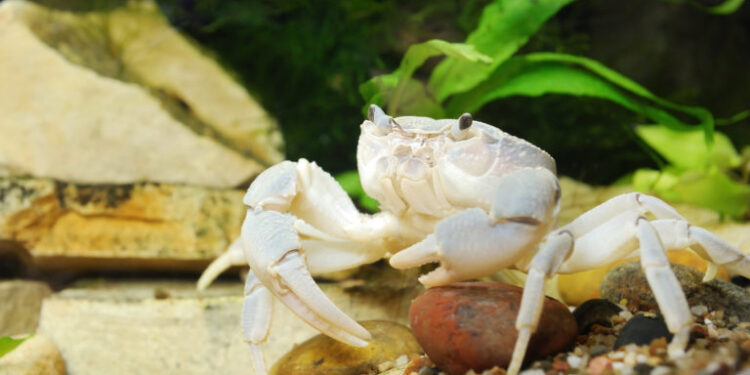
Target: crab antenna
[[376, 115], [465, 121]]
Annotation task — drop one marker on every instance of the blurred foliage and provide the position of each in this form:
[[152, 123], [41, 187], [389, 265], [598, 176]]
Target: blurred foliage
[[350, 182], [305, 61], [9, 343], [486, 68]]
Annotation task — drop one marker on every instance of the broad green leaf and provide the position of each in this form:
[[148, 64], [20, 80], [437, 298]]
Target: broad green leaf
[[705, 118], [401, 94], [687, 149], [550, 73], [504, 27], [711, 188], [8, 343], [413, 97], [349, 180]]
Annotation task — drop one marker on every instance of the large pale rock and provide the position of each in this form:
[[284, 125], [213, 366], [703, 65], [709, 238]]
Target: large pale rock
[[166, 328], [135, 226], [35, 356], [121, 97], [21, 304]]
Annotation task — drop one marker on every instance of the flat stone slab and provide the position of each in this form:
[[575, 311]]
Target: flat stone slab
[[21, 305], [166, 327], [138, 226]]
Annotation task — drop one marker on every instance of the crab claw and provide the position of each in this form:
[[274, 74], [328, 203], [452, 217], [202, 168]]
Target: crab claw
[[468, 245], [273, 249]]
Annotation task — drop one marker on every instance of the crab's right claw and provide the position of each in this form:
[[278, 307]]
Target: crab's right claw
[[273, 249], [466, 246]]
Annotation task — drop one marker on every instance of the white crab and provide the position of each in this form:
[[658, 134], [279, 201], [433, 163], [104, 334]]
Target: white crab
[[458, 192]]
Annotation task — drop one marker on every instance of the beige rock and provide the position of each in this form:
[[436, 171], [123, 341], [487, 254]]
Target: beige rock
[[35, 356], [21, 305], [81, 103], [119, 226], [166, 328]]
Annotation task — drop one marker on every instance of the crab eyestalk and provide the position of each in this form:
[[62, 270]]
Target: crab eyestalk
[[376, 115]]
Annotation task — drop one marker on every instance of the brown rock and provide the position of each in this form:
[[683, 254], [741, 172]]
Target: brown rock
[[471, 326], [324, 355], [628, 282], [119, 226]]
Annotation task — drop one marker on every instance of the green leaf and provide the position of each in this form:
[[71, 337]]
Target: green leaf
[[711, 188], [734, 119], [724, 8], [687, 149], [349, 180], [8, 343], [504, 27], [399, 93], [409, 97], [727, 7], [552, 73]]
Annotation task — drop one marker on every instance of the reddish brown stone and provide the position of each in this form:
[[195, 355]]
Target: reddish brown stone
[[472, 326]]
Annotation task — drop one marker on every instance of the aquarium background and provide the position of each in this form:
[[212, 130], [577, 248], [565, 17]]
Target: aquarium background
[[305, 61]]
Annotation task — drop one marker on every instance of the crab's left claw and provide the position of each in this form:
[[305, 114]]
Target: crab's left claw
[[273, 249]]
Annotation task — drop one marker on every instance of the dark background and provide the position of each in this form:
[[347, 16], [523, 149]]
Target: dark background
[[304, 61]]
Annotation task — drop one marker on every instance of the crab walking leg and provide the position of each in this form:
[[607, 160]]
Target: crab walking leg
[[256, 320], [234, 256], [676, 234], [545, 263], [615, 206], [664, 284]]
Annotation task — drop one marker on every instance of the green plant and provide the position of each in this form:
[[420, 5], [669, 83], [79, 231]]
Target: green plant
[[487, 67], [9, 343]]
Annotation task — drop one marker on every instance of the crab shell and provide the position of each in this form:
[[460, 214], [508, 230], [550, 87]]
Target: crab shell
[[419, 165]]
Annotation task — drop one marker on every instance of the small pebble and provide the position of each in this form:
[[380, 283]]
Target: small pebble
[[699, 310], [598, 350], [662, 370], [472, 326], [574, 361], [642, 369], [641, 330], [595, 311], [324, 355], [599, 365]]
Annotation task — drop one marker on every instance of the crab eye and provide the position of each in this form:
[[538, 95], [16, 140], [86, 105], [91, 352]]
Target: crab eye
[[464, 122], [458, 131]]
